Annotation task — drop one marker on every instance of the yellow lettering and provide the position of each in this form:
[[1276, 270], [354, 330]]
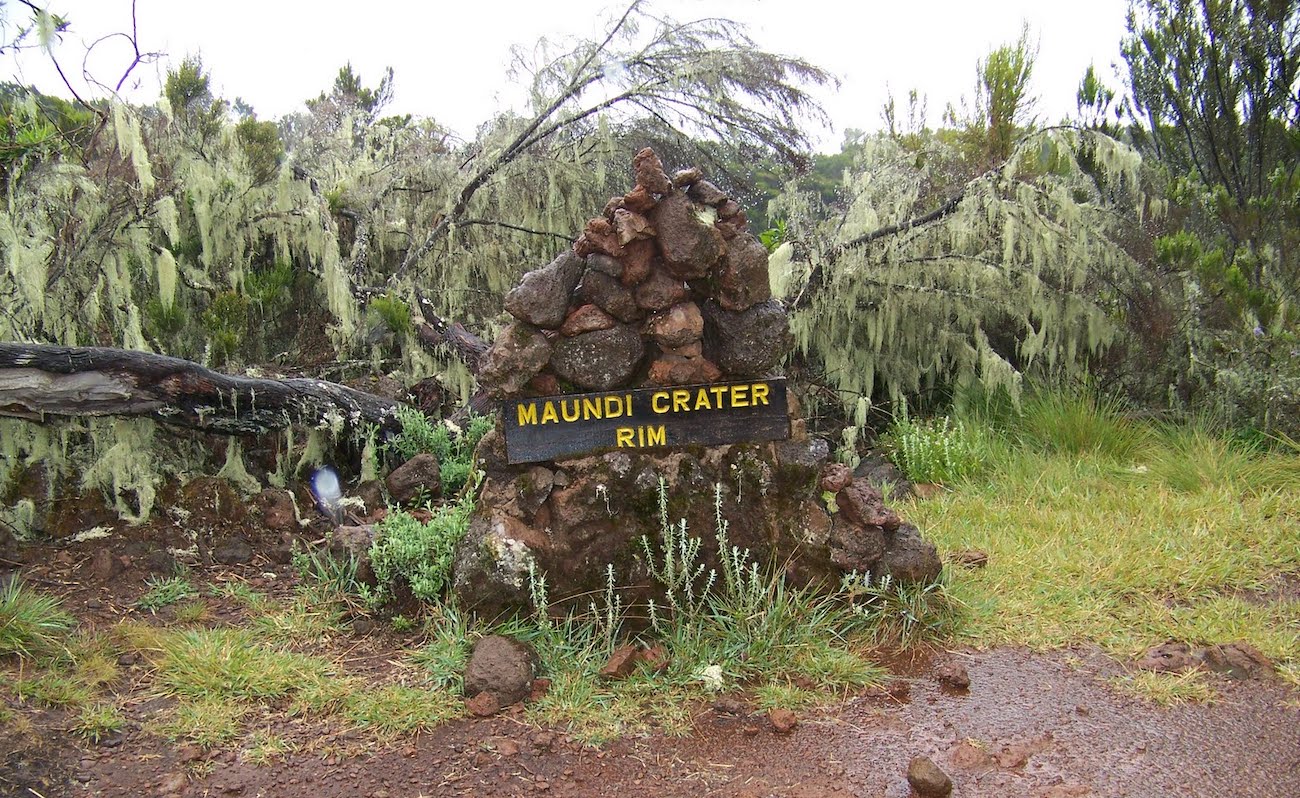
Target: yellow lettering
[[718, 391], [527, 413], [627, 399], [656, 436], [613, 407], [654, 401], [591, 409], [623, 435], [548, 413], [740, 396], [758, 391], [577, 410], [702, 400], [681, 400]]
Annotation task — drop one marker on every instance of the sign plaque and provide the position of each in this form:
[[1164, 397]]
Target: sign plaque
[[551, 427]]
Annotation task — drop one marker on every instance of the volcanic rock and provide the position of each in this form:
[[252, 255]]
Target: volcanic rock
[[854, 547], [742, 275], [679, 370], [684, 177], [588, 318], [599, 360], [631, 226], [649, 171], [835, 477], [680, 325], [705, 193], [927, 779], [749, 343], [605, 265], [639, 200], [688, 244], [518, 353], [233, 551], [662, 290], [862, 502], [610, 296], [501, 666], [1239, 660], [542, 296], [952, 675], [599, 236], [278, 514], [638, 260], [417, 478], [910, 558]]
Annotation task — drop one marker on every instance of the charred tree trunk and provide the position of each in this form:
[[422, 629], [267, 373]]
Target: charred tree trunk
[[37, 381]]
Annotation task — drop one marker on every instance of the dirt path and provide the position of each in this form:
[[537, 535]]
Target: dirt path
[[1030, 725]]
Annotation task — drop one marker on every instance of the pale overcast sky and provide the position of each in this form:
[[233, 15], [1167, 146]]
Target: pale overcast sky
[[451, 58]]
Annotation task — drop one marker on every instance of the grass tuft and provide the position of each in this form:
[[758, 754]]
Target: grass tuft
[[31, 623], [264, 748], [165, 592], [231, 664], [1168, 689], [394, 710], [98, 721], [1081, 423]]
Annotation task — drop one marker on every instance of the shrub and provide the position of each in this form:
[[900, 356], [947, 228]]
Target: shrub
[[417, 554]]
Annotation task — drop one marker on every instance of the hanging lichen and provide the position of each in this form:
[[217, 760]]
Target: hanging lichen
[[1014, 279]]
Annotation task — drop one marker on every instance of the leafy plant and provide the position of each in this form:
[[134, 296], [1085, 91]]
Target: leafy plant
[[454, 449], [31, 623], [415, 554], [393, 312], [942, 451]]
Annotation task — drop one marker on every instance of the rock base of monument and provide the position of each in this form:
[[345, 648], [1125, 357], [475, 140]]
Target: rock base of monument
[[570, 520]]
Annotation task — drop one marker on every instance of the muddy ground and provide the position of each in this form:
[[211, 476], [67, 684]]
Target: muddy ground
[[1029, 725]]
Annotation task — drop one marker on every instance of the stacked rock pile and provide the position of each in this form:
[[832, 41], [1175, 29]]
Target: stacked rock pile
[[666, 287]]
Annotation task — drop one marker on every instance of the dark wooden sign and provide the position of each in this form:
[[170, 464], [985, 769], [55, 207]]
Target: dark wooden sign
[[550, 427]]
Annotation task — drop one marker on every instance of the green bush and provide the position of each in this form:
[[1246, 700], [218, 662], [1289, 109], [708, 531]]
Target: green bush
[[417, 554], [393, 312]]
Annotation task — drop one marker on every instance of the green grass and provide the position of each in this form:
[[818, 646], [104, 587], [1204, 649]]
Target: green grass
[[165, 592], [231, 665], [264, 748], [1086, 547], [208, 723], [31, 623], [1168, 689], [1079, 423], [98, 720], [239, 592], [444, 656], [393, 710]]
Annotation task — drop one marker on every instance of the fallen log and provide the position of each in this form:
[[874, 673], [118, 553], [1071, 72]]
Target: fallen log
[[38, 381]]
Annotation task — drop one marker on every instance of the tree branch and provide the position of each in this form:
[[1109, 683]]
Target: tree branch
[[38, 381]]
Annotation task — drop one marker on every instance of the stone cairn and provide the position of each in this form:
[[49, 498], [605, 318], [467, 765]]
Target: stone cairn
[[666, 287]]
